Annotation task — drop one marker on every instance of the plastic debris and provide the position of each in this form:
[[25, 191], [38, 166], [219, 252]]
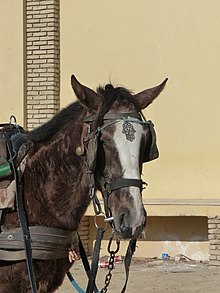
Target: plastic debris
[[165, 256], [104, 264]]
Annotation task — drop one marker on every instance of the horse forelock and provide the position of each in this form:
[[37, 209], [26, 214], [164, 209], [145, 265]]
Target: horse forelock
[[110, 95]]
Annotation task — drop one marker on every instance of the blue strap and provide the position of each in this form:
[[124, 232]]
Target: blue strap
[[75, 285], [73, 282]]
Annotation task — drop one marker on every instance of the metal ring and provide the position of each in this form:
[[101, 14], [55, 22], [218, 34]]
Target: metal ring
[[117, 246], [97, 226]]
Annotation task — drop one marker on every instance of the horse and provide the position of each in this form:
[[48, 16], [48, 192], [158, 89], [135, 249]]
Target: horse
[[98, 142]]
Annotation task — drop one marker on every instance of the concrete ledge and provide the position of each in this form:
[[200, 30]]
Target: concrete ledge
[[174, 207]]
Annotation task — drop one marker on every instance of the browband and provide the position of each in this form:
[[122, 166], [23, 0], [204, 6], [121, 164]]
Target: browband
[[113, 116]]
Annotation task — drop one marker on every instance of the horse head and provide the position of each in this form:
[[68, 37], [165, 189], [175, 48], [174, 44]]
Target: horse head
[[117, 142]]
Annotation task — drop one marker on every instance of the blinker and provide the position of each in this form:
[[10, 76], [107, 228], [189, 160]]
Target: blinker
[[91, 151], [151, 152]]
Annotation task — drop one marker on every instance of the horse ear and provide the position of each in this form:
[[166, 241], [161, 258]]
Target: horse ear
[[87, 96], [146, 97]]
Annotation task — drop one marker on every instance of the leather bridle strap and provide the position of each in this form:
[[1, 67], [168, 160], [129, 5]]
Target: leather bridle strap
[[127, 261], [121, 183], [94, 265], [108, 187]]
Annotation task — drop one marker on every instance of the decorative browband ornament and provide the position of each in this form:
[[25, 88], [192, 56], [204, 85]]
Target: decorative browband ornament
[[128, 130]]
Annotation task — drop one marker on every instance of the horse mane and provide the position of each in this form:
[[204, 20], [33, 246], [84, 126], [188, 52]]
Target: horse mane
[[72, 112], [51, 127]]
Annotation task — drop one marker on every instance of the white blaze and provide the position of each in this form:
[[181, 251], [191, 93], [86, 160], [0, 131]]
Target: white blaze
[[129, 157]]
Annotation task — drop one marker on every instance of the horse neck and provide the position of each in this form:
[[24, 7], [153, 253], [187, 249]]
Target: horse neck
[[56, 181]]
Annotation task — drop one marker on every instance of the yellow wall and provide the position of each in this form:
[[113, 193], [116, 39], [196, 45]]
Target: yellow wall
[[172, 235], [11, 60], [139, 43]]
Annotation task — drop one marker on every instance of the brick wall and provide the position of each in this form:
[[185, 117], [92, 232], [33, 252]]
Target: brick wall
[[214, 240], [42, 60], [84, 233]]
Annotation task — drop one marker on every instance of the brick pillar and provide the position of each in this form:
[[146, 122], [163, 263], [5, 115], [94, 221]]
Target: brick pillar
[[214, 240], [42, 61], [43, 70]]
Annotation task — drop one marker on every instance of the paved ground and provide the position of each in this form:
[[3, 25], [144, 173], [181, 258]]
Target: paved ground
[[154, 276]]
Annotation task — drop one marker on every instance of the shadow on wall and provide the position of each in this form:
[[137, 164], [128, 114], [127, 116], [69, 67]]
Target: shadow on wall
[[179, 228], [176, 229]]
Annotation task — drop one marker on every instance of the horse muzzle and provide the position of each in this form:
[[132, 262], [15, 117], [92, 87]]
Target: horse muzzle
[[127, 226]]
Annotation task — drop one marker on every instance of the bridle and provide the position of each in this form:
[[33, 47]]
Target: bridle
[[92, 138], [91, 141]]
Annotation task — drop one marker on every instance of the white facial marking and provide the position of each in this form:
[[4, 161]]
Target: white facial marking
[[128, 150], [129, 157]]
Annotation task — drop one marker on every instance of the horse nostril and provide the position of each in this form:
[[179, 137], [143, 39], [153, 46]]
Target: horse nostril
[[122, 220], [126, 231], [122, 225]]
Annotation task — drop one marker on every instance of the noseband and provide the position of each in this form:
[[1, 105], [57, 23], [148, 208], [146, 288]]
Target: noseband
[[91, 145]]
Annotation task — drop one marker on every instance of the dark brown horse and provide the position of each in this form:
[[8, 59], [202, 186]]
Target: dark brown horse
[[59, 171]]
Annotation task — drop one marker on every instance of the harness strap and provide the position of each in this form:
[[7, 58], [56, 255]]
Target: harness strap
[[42, 254], [95, 259], [22, 218], [2, 218], [127, 261], [84, 257], [46, 243], [86, 267], [86, 263]]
